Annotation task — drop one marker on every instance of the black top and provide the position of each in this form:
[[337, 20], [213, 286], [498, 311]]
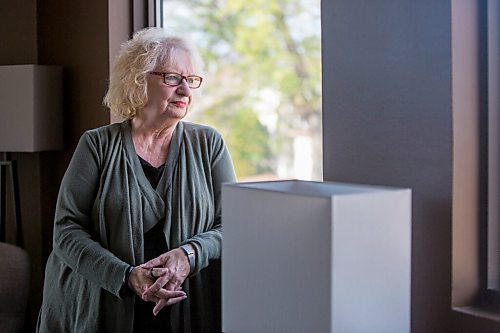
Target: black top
[[152, 174]]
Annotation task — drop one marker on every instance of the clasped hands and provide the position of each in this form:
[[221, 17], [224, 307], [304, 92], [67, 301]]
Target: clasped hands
[[159, 280]]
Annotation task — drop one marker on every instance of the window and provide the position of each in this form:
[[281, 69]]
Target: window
[[492, 154], [476, 225], [262, 80], [476, 232]]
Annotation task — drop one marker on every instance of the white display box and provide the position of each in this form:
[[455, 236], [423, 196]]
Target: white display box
[[315, 257]]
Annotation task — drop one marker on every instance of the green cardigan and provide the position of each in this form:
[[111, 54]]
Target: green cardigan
[[104, 207]]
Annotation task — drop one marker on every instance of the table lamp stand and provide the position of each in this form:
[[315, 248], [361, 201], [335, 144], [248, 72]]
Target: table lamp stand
[[6, 163]]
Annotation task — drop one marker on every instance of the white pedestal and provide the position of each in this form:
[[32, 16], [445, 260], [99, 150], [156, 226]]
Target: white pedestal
[[315, 257]]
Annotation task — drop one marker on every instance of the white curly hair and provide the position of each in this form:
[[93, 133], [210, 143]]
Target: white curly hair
[[142, 54]]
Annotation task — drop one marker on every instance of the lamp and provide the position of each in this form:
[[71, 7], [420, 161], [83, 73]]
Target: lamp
[[30, 121]]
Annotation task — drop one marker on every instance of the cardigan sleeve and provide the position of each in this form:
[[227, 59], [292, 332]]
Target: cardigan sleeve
[[208, 245], [74, 240]]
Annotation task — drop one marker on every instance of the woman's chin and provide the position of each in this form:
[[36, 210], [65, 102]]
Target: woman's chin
[[175, 113]]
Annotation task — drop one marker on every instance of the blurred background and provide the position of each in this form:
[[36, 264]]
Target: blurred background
[[262, 80]]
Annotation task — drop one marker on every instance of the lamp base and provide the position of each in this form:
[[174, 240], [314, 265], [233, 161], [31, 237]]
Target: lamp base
[[6, 163]]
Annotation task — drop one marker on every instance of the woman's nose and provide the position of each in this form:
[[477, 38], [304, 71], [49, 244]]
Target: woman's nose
[[183, 88]]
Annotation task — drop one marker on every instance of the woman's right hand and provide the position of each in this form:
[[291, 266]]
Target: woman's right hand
[[141, 279]]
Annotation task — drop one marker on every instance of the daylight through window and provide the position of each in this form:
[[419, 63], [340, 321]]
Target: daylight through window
[[262, 80]]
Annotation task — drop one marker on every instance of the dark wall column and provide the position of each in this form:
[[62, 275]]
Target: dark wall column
[[387, 119]]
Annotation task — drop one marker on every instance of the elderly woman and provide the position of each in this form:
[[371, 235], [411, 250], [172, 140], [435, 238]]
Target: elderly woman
[[137, 234]]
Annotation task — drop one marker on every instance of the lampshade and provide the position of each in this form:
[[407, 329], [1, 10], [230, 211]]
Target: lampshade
[[30, 108]]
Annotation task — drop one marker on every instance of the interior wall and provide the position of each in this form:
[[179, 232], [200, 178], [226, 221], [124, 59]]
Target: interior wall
[[18, 25], [74, 34], [387, 120], [120, 30]]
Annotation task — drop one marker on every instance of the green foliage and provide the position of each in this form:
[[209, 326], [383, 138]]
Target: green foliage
[[250, 47], [246, 137]]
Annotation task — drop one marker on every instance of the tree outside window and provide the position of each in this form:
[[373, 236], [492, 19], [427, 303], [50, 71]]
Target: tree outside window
[[262, 80]]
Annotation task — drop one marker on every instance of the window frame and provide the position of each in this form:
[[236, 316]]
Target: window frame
[[474, 304], [145, 14], [490, 147]]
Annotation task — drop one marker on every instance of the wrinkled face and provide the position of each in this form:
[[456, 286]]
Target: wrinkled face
[[167, 100]]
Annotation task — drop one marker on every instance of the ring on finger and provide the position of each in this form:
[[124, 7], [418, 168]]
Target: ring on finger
[[151, 273]]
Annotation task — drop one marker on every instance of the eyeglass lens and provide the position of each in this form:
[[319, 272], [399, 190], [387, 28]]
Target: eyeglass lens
[[176, 79]]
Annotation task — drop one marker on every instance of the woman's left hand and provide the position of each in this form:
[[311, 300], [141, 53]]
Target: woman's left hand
[[178, 265]]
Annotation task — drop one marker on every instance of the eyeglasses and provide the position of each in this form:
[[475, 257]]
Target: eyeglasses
[[174, 79]]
